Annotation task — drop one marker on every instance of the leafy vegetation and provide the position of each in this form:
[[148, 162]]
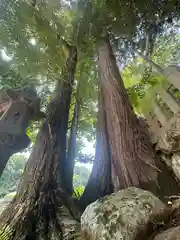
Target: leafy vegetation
[[57, 47], [12, 174]]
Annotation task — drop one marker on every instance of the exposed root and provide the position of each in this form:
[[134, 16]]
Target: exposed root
[[44, 218]]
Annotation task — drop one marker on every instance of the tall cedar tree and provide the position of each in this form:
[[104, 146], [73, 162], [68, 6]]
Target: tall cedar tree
[[41, 202], [124, 153], [131, 151], [99, 183]]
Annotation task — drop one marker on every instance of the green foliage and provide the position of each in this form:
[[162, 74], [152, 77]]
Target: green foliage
[[81, 175], [5, 233], [32, 131], [167, 47], [32, 41], [141, 81], [141, 84], [78, 191], [14, 169], [31, 134], [127, 23], [12, 174]]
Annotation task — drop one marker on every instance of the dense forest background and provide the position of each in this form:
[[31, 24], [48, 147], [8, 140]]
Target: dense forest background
[[12, 174]]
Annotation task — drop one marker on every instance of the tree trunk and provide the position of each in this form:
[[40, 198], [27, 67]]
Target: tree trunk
[[69, 170], [41, 209], [99, 183], [131, 152]]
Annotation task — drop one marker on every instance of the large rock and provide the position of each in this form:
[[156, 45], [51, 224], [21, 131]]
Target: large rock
[[119, 215], [170, 234], [176, 164]]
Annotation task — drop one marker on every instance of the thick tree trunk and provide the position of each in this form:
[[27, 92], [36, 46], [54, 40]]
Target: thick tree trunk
[[69, 170], [99, 183], [132, 155], [41, 209], [57, 116]]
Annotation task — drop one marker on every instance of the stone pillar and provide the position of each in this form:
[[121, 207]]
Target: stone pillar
[[17, 109], [161, 116], [154, 128], [173, 75], [169, 100]]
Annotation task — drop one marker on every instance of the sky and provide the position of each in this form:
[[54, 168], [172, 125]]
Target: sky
[[88, 147], [89, 150]]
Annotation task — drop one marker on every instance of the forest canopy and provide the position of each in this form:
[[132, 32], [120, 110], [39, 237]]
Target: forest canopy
[[95, 66]]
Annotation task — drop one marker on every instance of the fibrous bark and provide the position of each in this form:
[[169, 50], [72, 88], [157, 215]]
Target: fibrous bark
[[41, 209], [131, 152], [100, 182]]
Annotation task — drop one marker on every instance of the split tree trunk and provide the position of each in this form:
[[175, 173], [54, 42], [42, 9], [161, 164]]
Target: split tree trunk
[[132, 155], [99, 183], [41, 209]]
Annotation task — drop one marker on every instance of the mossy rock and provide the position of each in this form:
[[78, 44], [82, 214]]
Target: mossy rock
[[119, 215]]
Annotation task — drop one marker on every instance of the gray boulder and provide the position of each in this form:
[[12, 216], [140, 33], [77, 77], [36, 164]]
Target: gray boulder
[[170, 234], [119, 215]]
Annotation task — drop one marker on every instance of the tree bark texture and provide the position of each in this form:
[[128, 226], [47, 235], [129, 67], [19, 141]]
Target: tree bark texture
[[99, 183], [41, 209], [131, 152], [57, 116], [69, 169]]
